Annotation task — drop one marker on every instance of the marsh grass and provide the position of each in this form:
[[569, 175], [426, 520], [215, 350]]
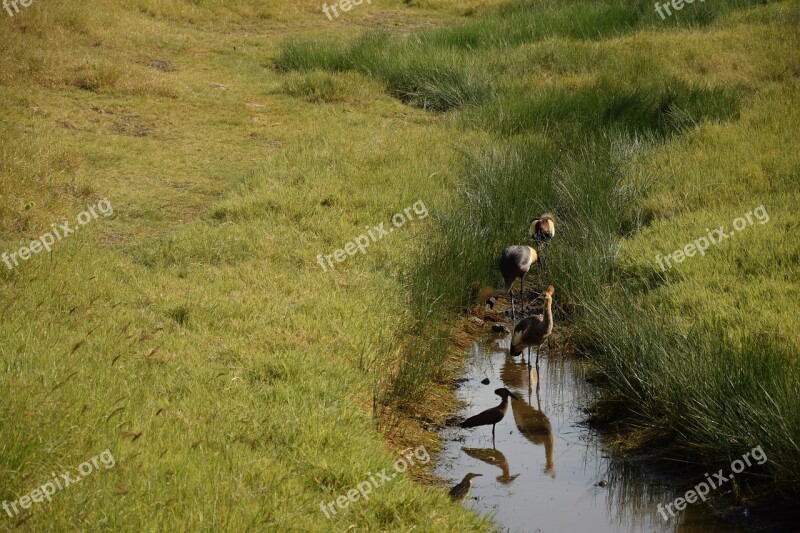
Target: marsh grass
[[193, 333], [427, 77], [600, 143], [662, 108]]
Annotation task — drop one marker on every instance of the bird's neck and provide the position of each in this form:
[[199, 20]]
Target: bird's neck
[[548, 314], [503, 404]]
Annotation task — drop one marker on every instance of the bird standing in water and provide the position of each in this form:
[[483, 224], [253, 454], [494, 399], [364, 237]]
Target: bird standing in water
[[533, 331], [491, 416], [515, 262], [460, 491]]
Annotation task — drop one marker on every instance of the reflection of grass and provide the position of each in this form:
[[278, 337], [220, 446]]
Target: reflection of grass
[[639, 136]]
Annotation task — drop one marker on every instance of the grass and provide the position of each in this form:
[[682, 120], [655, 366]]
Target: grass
[[639, 134], [238, 386], [193, 333]]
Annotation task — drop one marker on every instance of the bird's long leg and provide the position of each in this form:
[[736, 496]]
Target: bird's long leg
[[529, 357], [513, 315], [538, 398], [523, 294]]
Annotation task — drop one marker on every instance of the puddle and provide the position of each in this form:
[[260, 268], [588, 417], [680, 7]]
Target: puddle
[[542, 473]]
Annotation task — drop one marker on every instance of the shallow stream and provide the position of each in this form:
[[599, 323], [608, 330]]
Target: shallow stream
[[547, 471]]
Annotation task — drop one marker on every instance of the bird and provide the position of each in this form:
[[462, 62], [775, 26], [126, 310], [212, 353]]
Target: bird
[[491, 416], [543, 228], [515, 262], [533, 330], [460, 491]]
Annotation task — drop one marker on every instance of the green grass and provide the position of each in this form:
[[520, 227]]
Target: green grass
[[238, 386], [193, 333], [639, 134]]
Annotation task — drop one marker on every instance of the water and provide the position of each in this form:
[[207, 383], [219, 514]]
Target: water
[[544, 469]]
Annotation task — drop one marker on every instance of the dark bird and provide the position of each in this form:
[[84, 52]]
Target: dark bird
[[533, 331], [460, 491], [491, 416], [515, 262]]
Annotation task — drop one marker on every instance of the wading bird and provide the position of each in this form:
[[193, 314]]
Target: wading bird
[[491, 416], [460, 491], [515, 262], [533, 331]]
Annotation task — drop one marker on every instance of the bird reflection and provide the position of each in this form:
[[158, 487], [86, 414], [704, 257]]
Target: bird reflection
[[519, 376], [534, 426], [531, 422], [494, 457]]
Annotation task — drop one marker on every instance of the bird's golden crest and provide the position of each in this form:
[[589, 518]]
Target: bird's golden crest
[[484, 294], [546, 222]]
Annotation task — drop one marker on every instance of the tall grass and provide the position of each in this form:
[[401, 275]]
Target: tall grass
[[440, 70], [662, 108], [430, 78]]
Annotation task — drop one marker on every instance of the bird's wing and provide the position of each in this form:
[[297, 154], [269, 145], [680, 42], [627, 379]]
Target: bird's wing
[[489, 416]]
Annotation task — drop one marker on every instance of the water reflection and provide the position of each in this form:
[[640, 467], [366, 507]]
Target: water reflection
[[527, 495], [534, 426], [531, 422], [494, 457]]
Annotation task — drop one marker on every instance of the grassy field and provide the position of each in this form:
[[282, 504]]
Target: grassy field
[[193, 332], [641, 135]]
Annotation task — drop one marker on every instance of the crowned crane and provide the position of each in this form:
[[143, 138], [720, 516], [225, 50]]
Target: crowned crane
[[515, 262], [543, 228], [491, 416], [541, 231], [533, 331]]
